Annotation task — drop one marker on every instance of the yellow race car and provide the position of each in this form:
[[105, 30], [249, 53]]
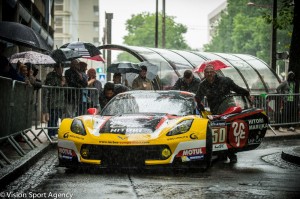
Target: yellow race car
[[138, 129]]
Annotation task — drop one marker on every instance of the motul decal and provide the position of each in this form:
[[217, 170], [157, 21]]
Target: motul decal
[[238, 134], [192, 152]]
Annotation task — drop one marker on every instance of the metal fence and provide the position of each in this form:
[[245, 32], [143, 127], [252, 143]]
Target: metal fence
[[282, 109], [16, 115], [60, 103]]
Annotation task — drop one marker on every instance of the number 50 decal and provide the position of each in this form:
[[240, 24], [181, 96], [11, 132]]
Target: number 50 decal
[[219, 134], [238, 133]]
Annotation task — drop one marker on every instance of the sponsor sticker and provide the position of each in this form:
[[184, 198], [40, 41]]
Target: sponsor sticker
[[66, 153], [191, 152], [238, 133], [219, 147]]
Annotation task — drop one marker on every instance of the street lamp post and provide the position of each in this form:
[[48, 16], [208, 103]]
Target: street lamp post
[[274, 36], [156, 25]]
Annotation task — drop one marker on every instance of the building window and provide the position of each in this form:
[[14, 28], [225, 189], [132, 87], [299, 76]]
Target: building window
[[58, 7], [96, 10], [58, 30], [96, 40], [58, 21], [96, 26]]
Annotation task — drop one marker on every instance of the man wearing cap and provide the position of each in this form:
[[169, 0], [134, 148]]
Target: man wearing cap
[[187, 83], [142, 82]]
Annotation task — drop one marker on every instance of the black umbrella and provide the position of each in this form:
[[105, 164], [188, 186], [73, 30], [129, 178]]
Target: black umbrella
[[123, 67], [64, 54], [84, 49], [20, 34], [151, 69]]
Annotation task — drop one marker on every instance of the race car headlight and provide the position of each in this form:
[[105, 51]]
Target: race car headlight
[[77, 127], [180, 128]]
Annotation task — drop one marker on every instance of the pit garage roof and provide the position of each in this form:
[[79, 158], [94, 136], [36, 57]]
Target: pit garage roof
[[247, 71]]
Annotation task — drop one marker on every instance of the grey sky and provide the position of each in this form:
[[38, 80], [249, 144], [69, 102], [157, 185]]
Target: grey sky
[[192, 13]]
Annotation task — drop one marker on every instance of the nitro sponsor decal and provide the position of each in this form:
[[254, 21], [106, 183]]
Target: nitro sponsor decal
[[257, 124], [238, 133], [219, 134]]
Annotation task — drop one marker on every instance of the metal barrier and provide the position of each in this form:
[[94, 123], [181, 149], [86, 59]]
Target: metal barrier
[[282, 109], [62, 102], [16, 115]]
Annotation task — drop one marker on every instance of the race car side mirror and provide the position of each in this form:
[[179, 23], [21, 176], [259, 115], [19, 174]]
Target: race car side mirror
[[92, 111]]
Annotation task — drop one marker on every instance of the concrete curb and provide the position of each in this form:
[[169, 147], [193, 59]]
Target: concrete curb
[[17, 168], [282, 137], [292, 155]]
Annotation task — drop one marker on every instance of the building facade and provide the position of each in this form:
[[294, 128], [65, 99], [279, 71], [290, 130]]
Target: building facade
[[76, 20]]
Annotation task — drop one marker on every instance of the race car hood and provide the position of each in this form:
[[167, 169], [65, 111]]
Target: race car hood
[[146, 126], [134, 124]]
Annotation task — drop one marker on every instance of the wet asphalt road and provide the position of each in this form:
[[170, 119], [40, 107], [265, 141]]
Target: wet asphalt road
[[260, 173]]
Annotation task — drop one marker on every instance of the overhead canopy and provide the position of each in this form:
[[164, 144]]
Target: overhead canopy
[[247, 71]]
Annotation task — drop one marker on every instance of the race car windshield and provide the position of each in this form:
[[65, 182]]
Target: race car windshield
[[151, 102]]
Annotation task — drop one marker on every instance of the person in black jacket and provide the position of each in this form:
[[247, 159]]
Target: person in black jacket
[[74, 78], [217, 89], [187, 83]]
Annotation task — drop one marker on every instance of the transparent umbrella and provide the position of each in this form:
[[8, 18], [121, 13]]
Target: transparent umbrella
[[31, 57]]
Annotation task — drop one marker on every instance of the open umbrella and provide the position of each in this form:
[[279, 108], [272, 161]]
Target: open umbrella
[[20, 34], [64, 54], [84, 49], [152, 69], [217, 64], [123, 67], [31, 57]]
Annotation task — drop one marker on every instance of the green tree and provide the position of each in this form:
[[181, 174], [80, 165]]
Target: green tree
[[141, 32], [245, 29]]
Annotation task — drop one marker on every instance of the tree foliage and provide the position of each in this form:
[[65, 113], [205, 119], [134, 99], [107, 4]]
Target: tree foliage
[[247, 29], [141, 32]]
